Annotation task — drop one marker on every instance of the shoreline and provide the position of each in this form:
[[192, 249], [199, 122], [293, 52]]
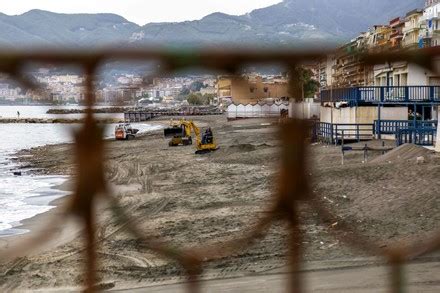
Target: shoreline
[[33, 224], [50, 200]]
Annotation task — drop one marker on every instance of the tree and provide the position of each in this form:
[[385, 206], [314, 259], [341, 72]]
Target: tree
[[195, 99], [198, 100], [308, 85], [208, 98]]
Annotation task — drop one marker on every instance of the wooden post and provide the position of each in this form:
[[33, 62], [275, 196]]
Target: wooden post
[[365, 153], [343, 138], [342, 147], [378, 130]]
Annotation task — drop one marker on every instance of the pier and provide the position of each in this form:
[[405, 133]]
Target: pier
[[145, 115]]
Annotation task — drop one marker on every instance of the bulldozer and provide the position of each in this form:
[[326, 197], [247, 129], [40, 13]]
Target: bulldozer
[[124, 131], [180, 133]]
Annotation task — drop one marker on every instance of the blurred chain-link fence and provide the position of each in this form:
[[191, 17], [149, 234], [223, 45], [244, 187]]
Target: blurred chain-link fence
[[293, 182]]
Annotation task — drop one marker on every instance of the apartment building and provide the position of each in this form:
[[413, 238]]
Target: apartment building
[[414, 31], [348, 68], [431, 20], [397, 24]]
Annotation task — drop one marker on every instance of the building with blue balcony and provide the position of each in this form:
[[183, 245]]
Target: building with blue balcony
[[396, 99], [390, 111]]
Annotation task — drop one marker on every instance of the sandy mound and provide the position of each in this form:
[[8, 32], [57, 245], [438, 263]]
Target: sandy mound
[[247, 147], [244, 147], [405, 152]]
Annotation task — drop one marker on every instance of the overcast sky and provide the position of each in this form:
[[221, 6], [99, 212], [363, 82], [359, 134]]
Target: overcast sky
[[139, 11]]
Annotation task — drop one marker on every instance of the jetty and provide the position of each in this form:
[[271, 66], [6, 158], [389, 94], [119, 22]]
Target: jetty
[[106, 110], [140, 115], [55, 120]]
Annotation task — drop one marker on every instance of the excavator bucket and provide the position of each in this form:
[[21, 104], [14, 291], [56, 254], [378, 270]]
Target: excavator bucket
[[173, 131]]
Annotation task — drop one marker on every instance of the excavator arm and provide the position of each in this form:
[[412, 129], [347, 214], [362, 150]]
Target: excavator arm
[[196, 131]]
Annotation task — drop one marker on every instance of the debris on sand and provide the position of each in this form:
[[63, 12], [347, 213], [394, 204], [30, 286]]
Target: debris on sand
[[406, 152], [245, 147], [420, 160]]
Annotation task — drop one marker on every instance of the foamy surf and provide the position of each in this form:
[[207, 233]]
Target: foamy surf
[[23, 197]]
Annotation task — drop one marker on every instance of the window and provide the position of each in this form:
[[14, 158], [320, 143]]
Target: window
[[397, 80]]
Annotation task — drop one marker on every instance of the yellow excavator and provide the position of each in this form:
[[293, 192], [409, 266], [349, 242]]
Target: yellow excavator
[[180, 133]]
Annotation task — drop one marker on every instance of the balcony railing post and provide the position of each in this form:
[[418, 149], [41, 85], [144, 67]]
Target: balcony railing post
[[406, 98], [431, 93], [357, 96]]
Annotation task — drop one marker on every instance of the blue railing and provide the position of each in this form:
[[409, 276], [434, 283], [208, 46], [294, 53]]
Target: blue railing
[[391, 126], [383, 94], [419, 136], [336, 133]]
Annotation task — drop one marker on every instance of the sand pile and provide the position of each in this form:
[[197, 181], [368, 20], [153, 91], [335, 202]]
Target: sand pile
[[244, 147], [404, 152]]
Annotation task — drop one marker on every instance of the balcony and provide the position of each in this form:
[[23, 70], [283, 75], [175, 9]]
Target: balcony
[[364, 95], [397, 34], [411, 29]]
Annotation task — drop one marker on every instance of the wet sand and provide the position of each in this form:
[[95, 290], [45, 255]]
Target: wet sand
[[190, 200]]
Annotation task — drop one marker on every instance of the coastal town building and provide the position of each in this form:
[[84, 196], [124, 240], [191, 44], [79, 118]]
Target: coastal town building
[[10, 93], [414, 35], [251, 89], [209, 90], [348, 69], [397, 24], [380, 38], [323, 72], [431, 19]]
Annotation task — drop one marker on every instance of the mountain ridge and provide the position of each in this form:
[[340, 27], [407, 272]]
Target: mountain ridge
[[288, 23]]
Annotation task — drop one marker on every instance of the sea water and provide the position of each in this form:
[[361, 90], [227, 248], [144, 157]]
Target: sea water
[[23, 197]]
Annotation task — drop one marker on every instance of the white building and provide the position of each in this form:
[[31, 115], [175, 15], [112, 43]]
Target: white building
[[8, 93], [404, 74], [431, 18]]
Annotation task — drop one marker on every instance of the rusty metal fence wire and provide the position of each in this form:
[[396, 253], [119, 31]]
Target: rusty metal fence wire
[[293, 186]]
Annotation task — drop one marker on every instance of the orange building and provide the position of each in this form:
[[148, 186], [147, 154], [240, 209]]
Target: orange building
[[251, 90], [397, 24]]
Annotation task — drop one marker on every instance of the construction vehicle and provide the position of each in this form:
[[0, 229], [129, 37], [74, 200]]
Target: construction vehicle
[[180, 133], [124, 131]]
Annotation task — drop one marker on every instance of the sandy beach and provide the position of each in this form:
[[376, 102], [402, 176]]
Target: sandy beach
[[190, 200]]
